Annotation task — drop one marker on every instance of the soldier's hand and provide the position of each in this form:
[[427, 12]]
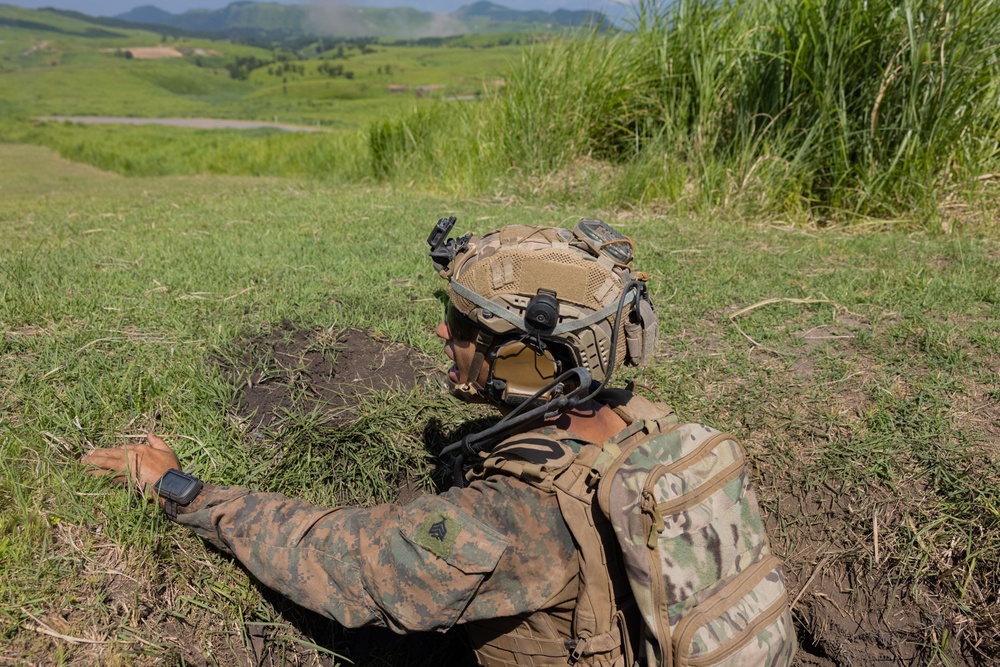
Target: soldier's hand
[[139, 466]]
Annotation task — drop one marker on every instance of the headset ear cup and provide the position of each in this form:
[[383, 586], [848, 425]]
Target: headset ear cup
[[517, 371]]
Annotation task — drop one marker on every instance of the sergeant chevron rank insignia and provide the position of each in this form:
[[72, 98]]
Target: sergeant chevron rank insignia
[[438, 533]]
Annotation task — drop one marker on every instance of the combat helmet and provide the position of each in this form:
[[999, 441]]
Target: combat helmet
[[539, 301]]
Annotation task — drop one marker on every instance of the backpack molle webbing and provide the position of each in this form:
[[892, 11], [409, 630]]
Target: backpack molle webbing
[[695, 549]]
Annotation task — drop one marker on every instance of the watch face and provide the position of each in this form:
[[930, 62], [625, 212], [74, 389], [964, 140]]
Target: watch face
[[178, 486]]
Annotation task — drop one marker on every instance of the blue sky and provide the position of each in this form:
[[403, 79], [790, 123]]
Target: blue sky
[[113, 7]]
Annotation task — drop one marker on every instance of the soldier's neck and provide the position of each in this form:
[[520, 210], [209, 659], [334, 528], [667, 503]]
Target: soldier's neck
[[591, 421]]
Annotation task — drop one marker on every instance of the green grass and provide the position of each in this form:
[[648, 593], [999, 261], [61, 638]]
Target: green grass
[[830, 109], [337, 156], [866, 392], [119, 295], [62, 71]]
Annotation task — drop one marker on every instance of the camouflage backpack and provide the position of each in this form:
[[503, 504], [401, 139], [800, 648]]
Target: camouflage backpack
[[679, 498], [692, 543]]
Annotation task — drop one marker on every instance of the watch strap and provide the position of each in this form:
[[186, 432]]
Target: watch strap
[[170, 509]]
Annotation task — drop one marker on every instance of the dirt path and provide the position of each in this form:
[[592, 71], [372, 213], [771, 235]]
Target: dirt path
[[202, 123]]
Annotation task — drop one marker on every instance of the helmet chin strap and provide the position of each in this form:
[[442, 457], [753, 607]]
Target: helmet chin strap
[[468, 391], [472, 444], [484, 340], [471, 390]]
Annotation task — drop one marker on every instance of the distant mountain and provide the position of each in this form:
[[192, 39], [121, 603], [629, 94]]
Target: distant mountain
[[238, 16], [273, 20], [484, 9], [560, 17], [147, 14]]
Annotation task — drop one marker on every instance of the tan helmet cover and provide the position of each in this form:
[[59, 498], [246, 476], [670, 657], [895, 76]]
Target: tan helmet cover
[[494, 278]]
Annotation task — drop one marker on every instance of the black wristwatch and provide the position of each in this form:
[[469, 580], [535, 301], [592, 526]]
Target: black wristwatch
[[177, 489]]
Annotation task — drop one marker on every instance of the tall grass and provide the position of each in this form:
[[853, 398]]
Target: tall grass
[[868, 107]]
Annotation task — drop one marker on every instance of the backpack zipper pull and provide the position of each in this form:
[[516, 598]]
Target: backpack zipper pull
[[648, 506]]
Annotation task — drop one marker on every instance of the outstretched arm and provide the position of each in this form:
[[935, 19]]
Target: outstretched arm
[[495, 549]]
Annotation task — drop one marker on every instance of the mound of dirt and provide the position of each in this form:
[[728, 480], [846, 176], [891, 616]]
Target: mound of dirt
[[320, 371]]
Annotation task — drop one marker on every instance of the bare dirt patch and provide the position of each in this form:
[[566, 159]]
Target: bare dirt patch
[[320, 371], [151, 52], [200, 123], [845, 545], [976, 408], [289, 373], [40, 46], [849, 610], [110, 613]]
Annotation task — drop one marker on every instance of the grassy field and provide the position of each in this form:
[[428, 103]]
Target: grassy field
[[828, 280], [870, 409], [58, 66], [825, 114]]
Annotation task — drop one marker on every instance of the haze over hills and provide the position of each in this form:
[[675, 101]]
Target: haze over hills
[[108, 8], [241, 19]]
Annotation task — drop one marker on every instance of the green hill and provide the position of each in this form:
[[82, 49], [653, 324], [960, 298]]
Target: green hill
[[560, 17], [57, 63], [147, 15], [244, 19], [27, 19], [235, 18]]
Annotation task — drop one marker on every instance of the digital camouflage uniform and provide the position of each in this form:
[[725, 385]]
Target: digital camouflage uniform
[[496, 555], [523, 556], [497, 548]]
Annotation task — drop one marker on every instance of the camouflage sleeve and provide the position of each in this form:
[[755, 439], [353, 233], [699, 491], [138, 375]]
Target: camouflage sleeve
[[495, 549]]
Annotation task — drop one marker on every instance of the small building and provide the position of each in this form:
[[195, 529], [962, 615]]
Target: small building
[[151, 52]]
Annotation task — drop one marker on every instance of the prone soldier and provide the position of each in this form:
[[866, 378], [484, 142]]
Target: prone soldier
[[587, 527]]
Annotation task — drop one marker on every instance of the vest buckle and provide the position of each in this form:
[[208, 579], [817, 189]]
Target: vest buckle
[[576, 649]]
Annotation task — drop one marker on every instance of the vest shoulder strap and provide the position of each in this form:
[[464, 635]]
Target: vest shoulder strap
[[632, 407], [538, 457], [535, 457]]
